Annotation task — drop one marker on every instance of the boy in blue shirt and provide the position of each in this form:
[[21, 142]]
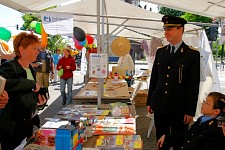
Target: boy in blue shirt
[[204, 134]]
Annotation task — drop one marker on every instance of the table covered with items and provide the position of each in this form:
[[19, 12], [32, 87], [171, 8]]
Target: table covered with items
[[114, 91], [112, 126]]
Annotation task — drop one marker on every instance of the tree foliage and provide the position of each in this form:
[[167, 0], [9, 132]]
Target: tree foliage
[[196, 18], [168, 11], [28, 18], [188, 16], [54, 42]]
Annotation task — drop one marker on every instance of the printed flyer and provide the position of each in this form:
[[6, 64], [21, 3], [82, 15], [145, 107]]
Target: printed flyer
[[98, 65]]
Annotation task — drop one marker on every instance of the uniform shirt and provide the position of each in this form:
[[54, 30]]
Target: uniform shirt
[[176, 47]]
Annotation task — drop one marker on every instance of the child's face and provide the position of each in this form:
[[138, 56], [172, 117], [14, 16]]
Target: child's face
[[207, 108]]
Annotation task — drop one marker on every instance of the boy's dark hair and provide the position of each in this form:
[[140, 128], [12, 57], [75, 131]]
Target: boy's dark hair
[[218, 100]]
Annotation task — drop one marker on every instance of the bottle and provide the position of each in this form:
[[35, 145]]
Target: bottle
[[127, 74], [116, 76], [104, 89]]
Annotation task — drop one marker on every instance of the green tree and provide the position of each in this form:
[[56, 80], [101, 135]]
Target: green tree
[[54, 42], [28, 18], [196, 18], [188, 16], [168, 11]]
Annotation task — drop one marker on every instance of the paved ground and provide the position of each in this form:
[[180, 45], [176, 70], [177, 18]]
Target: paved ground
[[142, 121]]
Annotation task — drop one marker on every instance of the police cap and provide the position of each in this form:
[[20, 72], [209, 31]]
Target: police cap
[[172, 21]]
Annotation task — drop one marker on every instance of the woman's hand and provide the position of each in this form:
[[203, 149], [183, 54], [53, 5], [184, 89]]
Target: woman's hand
[[4, 99], [41, 100], [160, 142], [37, 88]]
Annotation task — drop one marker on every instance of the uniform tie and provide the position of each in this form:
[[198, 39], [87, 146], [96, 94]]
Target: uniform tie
[[172, 51]]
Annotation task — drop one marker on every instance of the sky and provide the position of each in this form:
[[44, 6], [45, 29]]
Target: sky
[[153, 6], [10, 17]]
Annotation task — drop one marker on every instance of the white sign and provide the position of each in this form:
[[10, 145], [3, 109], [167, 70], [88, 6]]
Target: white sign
[[98, 65], [57, 23], [222, 35]]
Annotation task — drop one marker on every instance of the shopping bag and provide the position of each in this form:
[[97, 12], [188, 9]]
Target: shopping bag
[[60, 72]]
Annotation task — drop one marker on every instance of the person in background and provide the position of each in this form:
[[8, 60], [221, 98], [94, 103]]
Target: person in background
[[20, 113], [44, 67], [204, 134], [67, 63], [127, 62], [56, 58], [174, 84]]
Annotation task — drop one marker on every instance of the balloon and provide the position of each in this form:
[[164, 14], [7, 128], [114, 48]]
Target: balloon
[[5, 45], [79, 34], [76, 52], [90, 39], [93, 50], [33, 24], [5, 34], [44, 37], [83, 43], [38, 28], [90, 45], [78, 46]]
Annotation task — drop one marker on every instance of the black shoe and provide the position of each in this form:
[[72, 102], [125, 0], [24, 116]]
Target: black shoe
[[63, 102]]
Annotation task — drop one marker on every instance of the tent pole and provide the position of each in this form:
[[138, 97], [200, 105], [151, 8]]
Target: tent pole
[[98, 48]]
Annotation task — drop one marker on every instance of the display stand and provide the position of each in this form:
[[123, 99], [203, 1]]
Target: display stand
[[115, 92]]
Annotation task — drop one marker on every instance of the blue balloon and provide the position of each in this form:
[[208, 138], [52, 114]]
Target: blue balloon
[[83, 43]]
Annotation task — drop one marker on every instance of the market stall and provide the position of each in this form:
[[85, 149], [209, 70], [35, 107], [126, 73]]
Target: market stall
[[89, 127]]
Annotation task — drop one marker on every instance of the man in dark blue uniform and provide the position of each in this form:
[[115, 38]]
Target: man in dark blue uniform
[[174, 85]]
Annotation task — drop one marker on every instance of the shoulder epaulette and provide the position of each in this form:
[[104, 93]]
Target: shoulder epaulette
[[162, 46], [193, 48]]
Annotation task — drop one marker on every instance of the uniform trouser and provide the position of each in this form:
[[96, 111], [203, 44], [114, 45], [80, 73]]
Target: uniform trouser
[[173, 124]]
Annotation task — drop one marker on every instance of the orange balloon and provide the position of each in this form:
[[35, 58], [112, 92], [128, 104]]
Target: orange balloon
[[13, 37], [44, 37], [5, 45]]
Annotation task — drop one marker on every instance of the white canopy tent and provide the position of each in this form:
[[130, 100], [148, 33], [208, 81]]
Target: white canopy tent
[[209, 8], [126, 20], [122, 19]]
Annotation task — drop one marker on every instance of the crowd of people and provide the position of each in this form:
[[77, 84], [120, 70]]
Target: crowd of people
[[172, 97]]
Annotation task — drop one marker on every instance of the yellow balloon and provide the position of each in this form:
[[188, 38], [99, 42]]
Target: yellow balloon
[[5, 45]]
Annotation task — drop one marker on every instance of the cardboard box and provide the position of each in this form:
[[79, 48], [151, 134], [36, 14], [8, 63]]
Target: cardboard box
[[141, 98], [66, 138]]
